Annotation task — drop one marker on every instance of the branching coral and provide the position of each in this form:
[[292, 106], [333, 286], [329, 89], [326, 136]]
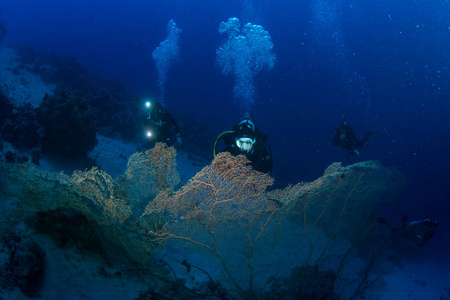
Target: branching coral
[[224, 201], [107, 202], [149, 173], [224, 212], [340, 204]]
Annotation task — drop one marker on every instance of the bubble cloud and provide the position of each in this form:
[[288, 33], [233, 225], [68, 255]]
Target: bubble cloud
[[245, 53], [167, 51]]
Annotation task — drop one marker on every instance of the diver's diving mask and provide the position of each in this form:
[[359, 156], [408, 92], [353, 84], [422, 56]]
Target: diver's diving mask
[[245, 144]]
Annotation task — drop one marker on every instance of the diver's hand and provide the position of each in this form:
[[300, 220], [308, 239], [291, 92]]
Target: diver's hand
[[179, 140]]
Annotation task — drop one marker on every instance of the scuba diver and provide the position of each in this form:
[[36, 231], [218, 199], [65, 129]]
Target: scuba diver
[[417, 233], [344, 137], [246, 139], [159, 125]]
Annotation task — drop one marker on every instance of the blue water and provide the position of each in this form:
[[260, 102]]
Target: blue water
[[384, 65]]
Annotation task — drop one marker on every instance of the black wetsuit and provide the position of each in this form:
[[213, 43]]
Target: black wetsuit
[[344, 137], [162, 126], [260, 157], [417, 233]]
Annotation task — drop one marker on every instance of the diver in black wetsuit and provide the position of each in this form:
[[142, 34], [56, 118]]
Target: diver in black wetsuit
[[160, 126], [247, 139], [344, 137], [417, 233]]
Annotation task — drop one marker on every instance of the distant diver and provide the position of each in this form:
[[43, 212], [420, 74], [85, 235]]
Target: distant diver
[[416, 233], [344, 137], [160, 126], [246, 139]]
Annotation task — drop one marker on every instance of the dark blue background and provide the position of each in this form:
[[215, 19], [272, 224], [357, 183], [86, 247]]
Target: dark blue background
[[381, 64]]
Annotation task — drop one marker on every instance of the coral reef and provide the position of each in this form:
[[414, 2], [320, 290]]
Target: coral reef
[[21, 127], [22, 264], [224, 201], [305, 282], [113, 105], [343, 201], [109, 204], [14, 157], [6, 106], [67, 228], [68, 125], [151, 172], [248, 237]]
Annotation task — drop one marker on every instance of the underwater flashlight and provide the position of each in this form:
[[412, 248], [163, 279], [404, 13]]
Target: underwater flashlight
[[148, 104], [149, 133]]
